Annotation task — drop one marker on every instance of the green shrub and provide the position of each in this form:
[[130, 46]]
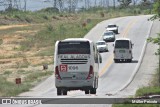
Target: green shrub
[[7, 72], [28, 19], [11, 89], [50, 10]]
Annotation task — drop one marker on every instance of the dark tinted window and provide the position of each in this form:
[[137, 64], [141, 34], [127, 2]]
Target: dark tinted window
[[110, 26], [100, 43], [74, 48], [122, 44]]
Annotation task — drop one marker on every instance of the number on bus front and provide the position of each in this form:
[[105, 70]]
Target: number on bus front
[[73, 67]]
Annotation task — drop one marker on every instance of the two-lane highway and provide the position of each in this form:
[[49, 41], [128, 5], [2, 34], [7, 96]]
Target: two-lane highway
[[118, 75], [113, 76]]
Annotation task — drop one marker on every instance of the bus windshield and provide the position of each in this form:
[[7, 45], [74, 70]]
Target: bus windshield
[[74, 47], [122, 44]]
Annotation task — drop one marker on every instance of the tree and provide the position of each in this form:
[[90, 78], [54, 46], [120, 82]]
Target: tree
[[87, 4], [103, 3], [145, 2], [135, 2], [124, 3], [58, 4], [72, 4], [156, 10], [11, 4]]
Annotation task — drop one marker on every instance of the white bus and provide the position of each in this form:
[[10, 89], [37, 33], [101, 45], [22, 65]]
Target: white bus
[[76, 63], [123, 50]]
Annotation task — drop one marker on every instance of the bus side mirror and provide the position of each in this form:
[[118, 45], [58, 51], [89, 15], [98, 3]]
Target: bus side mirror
[[100, 58], [132, 45]]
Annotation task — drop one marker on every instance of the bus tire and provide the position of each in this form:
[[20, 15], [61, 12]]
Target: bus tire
[[59, 91], [64, 92], [129, 60], [93, 91], [86, 91], [116, 31], [116, 60]]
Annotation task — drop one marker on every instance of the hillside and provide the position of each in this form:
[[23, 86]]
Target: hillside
[[27, 41]]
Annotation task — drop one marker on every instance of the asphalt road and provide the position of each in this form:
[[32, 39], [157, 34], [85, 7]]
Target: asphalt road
[[113, 76]]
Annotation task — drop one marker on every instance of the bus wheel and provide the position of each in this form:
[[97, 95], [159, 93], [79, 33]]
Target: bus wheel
[[116, 60], [59, 91], [86, 91], [93, 91], [129, 60], [64, 92]]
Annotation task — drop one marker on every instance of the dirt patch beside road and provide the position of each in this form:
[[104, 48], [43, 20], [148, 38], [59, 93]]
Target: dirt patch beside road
[[13, 60], [12, 26]]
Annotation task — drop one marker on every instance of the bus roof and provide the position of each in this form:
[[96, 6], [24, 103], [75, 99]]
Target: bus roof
[[76, 39], [123, 39]]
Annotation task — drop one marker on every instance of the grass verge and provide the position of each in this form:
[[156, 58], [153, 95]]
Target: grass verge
[[8, 89], [145, 91]]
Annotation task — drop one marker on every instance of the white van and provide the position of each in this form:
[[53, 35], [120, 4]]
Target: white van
[[76, 63], [123, 50]]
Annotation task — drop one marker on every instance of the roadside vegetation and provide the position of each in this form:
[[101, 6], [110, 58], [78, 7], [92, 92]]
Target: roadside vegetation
[[9, 88], [27, 40]]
